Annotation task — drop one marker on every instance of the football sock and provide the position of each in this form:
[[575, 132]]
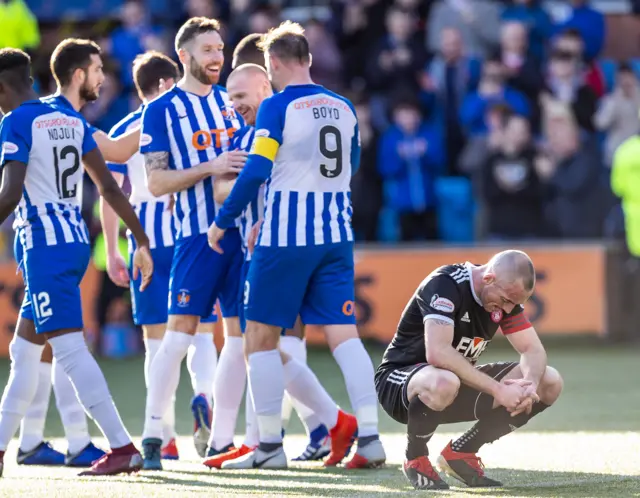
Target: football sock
[[266, 375], [163, 380], [493, 426], [151, 347], [297, 348], [304, 386], [201, 362], [72, 414], [252, 434], [423, 422], [21, 387], [228, 388], [357, 369], [32, 426], [73, 356]]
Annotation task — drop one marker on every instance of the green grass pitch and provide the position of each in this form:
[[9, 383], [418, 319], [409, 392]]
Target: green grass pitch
[[585, 446]]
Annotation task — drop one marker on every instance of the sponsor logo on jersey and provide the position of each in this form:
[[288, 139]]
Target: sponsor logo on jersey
[[216, 137], [262, 132], [472, 347], [145, 139], [496, 316], [441, 304], [9, 148], [183, 297]]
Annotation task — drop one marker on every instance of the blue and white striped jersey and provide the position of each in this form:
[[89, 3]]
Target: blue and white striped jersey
[[193, 130], [306, 146], [51, 140], [154, 212], [243, 140]]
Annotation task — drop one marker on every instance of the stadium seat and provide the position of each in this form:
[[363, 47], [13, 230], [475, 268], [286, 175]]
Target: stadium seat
[[609, 67], [456, 209]]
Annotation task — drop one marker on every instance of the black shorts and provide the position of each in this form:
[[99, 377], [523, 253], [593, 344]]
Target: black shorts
[[470, 404]]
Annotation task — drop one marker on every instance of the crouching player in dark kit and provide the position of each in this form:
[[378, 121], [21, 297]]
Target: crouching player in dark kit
[[427, 376]]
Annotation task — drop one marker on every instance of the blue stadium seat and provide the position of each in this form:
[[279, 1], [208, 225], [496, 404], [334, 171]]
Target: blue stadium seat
[[609, 67], [456, 210]]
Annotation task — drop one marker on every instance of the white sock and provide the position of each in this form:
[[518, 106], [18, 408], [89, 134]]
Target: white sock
[[32, 426], [151, 347], [163, 380], [21, 387], [72, 414], [252, 432], [71, 352], [297, 348], [304, 386], [201, 362], [228, 388], [357, 369], [266, 376]]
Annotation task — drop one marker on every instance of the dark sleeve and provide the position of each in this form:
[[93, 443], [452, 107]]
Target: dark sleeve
[[439, 298], [514, 321]]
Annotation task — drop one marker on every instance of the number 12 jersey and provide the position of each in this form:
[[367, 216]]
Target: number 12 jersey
[[51, 141]]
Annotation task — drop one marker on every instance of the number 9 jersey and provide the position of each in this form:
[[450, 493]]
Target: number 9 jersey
[[50, 140]]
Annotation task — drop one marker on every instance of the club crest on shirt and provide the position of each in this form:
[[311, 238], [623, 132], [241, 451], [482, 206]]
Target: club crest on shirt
[[496, 316], [183, 297], [441, 304]]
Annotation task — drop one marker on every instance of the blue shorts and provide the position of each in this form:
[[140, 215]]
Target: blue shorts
[[241, 293], [200, 276], [150, 307], [315, 282], [52, 276]]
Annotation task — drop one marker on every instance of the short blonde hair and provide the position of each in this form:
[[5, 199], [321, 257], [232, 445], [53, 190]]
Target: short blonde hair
[[287, 42]]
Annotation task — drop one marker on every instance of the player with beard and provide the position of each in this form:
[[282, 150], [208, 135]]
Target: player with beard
[[185, 138], [428, 375], [76, 66]]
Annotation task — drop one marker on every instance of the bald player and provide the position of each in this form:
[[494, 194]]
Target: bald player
[[428, 374]]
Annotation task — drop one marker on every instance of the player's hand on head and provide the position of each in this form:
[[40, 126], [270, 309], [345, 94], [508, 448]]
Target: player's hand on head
[[117, 270], [228, 162], [143, 265], [214, 235], [253, 236]]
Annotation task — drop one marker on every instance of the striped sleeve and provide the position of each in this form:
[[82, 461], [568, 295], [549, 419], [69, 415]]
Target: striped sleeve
[[117, 131], [514, 322]]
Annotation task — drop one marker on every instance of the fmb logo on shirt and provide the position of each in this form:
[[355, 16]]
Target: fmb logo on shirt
[[203, 139], [183, 297]]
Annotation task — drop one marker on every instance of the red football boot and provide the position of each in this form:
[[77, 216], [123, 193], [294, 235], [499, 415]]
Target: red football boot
[[342, 437], [123, 460]]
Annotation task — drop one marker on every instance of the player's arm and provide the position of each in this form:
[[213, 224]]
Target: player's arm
[[116, 267], [268, 137], [118, 150], [13, 175], [525, 340], [222, 187]]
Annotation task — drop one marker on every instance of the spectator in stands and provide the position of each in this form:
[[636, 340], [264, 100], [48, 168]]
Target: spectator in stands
[[572, 172], [625, 183], [477, 20], [136, 36], [447, 79], [366, 186], [570, 41], [591, 25], [509, 186], [565, 84], [618, 112], [410, 159], [521, 70], [395, 62], [327, 59], [492, 90], [539, 25], [18, 26]]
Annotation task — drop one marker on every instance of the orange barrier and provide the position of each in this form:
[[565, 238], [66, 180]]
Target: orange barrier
[[569, 298]]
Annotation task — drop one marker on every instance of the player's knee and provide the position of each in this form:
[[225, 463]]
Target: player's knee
[[260, 337], [443, 390], [550, 386], [187, 324], [337, 334], [232, 327]]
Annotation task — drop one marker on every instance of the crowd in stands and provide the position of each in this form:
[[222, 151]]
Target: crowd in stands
[[480, 119]]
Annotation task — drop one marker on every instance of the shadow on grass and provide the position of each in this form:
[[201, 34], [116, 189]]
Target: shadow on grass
[[389, 481]]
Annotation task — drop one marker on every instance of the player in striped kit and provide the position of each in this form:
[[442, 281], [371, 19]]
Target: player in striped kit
[[185, 139], [76, 66], [153, 74], [306, 147], [42, 149]]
